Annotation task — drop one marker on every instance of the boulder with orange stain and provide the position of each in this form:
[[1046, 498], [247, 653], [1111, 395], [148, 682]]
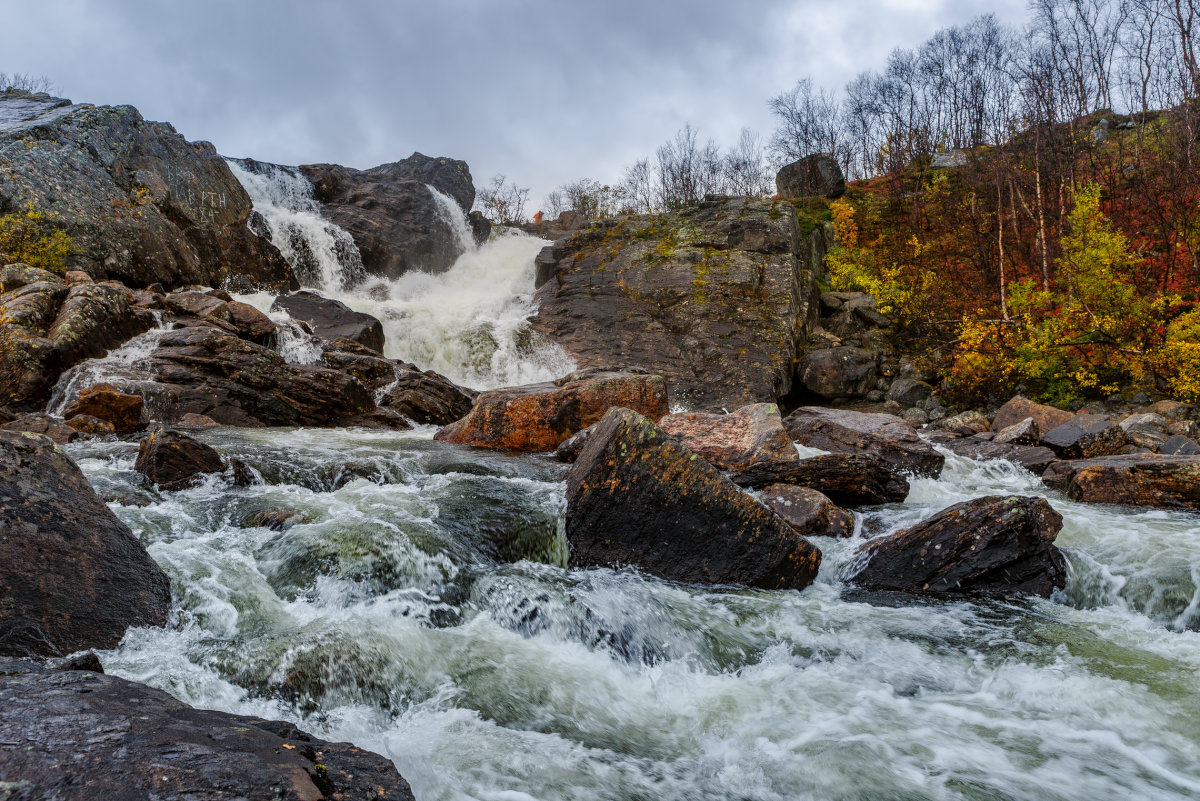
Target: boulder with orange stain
[[538, 417]]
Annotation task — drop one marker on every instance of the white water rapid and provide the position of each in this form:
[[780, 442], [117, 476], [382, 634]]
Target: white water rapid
[[469, 323], [400, 616]]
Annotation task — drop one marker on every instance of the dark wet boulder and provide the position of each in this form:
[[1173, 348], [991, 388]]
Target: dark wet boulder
[[848, 479], [1033, 458], [636, 496], [571, 447], [41, 423], [538, 417], [711, 297], [105, 402], [175, 461], [1148, 479], [1085, 436], [125, 741], [251, 324], [994, 546], [275, 519], [427, 398], [909, 392], [140, 203], [818, 175], [808, 511], [72, 576], [889, 437], [1180, 445], [331, 319], [1019, 407], [395, 220], [840, 373], [733, 441]]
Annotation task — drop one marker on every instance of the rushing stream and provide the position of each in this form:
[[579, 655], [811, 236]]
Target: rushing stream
[[422, 609]]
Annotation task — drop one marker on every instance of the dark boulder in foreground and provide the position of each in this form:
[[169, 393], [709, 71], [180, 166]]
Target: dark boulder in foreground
[[884, 435], [808, 511], [538, 417], [848, 479], [331, 319], [1144, 479], [636, 496], [733, 441], [76, 735], [72, 576], [996, 546], [174, 460]]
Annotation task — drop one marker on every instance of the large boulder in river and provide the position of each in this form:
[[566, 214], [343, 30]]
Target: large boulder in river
[[70, 324], [840, 373], [711, 297], [1019, 407], [538, 417], [140, 203], [1144, 479], [733, 441], [72, 576], [331, 319], [817, 175], [397, 223], [1085, 436], [636, 496], [808, 511], [884, 435], [175, 461], [849, 479], [996, 546], [79, 735]]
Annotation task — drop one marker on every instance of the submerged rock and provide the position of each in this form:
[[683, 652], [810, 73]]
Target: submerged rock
[[1166, 481], [844, 431], [996, 546], [849, 479], [636, 496], [123, 740], [72, 576], [538, 417], [808, 511], [733, 441], [174, 460], [331, 319]]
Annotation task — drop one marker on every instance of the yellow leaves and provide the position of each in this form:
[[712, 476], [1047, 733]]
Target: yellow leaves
[[30, 237], [845, 229]]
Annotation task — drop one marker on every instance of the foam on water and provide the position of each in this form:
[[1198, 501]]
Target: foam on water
[[391, 619], [118, 367]]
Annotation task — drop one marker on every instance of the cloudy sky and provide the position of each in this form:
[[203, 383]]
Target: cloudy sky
[[544, 92]]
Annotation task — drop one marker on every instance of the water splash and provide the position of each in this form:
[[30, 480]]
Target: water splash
[[451, 214], [121, 367]]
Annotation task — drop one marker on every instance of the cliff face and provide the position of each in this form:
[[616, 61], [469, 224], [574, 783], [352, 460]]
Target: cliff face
[[714, 298], [141, 204]]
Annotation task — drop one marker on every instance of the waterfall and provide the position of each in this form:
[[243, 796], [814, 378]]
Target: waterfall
[[321, 253], [453, 216]]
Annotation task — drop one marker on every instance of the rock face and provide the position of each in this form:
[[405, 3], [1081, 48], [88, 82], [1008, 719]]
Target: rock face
[[55, 327], [107, 403], [848, 479], [1085, 436], [996, 546], [1169, 482], [712, 297], [538, 417], [809, 512], [72, 576], [635, 496], [733, 441], [394, 219], [175, 461], [331, 319], [140, 203], [883, 435], [840, 373], [815, 175], [1019, 407], [125, 741]]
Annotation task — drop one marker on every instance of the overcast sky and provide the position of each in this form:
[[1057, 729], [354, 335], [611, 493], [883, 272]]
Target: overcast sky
[[544, 92]]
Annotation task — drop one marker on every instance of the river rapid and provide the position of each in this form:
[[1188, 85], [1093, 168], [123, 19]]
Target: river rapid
[[422, 610]]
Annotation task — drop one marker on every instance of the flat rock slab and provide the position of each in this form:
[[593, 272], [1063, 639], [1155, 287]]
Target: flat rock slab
[[848, 479], [995, 546], [889, 437], [733, 441], [1164, 481], [539, 417], [72, 576], [636, 496], [77, 735]]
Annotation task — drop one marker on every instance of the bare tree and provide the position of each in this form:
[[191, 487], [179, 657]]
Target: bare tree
[[810, 121], [25, 82], [745, 170], [503, 202]]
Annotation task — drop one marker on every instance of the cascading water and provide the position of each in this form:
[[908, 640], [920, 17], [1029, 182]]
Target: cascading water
[[470, 323], [401, 616], [119, 367]]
